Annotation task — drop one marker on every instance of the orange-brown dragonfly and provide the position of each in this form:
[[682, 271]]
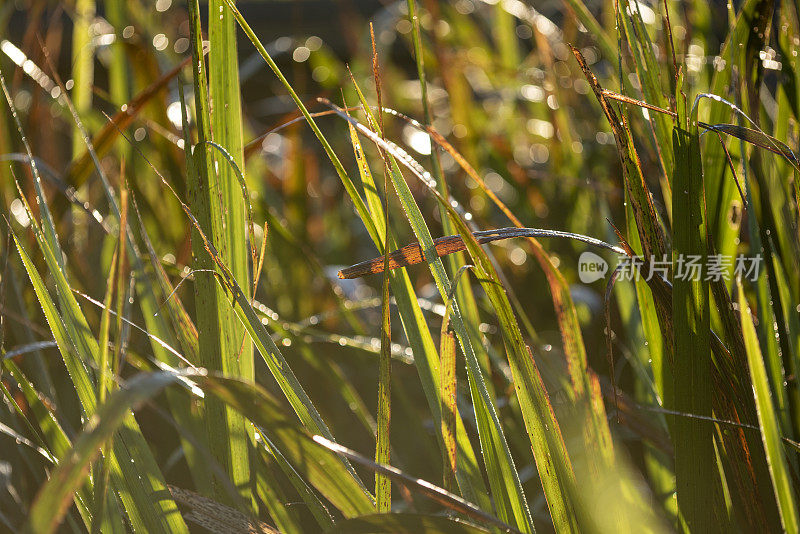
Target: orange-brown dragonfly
[[412, 254]]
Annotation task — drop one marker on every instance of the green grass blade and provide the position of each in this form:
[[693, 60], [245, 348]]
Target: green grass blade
[[470, 478], [383, 486], [547, 445], [768, 422], [82, 64], [447, 353], [219, 207], [271, 454], [695, 462], [134, 471], [504, 479], [55, 496]]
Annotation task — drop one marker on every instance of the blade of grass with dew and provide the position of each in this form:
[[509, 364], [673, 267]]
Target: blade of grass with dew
[[383, 487], [230, 237], [547, 445], [326, 472], [470, 480], [268, 455], [790, 318], [696, 471], [504, 480], [778, 214], [56, 495], [768, 422], [216, 200], [82, 64], [647, 220], [447, 353], [465, 452], [101, 473], [134, 472]]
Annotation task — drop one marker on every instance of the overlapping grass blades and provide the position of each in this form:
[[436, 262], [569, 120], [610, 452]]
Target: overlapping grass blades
[[219, 207], [470, 479], [768, 421], [692, 427], [698, 488]]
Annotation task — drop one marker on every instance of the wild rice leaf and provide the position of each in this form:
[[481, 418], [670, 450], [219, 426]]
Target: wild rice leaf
[[543, 430], [758, 138], [447, 353], [503, 477], [220, 209], [134, 471], [383, 486], [768, 422], [268, 454], [325, 471], [426, 488], [56, 495], [83, 48], [696, 469]]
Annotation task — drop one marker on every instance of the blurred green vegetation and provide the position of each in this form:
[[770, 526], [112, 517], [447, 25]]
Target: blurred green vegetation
[[631, 406]]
